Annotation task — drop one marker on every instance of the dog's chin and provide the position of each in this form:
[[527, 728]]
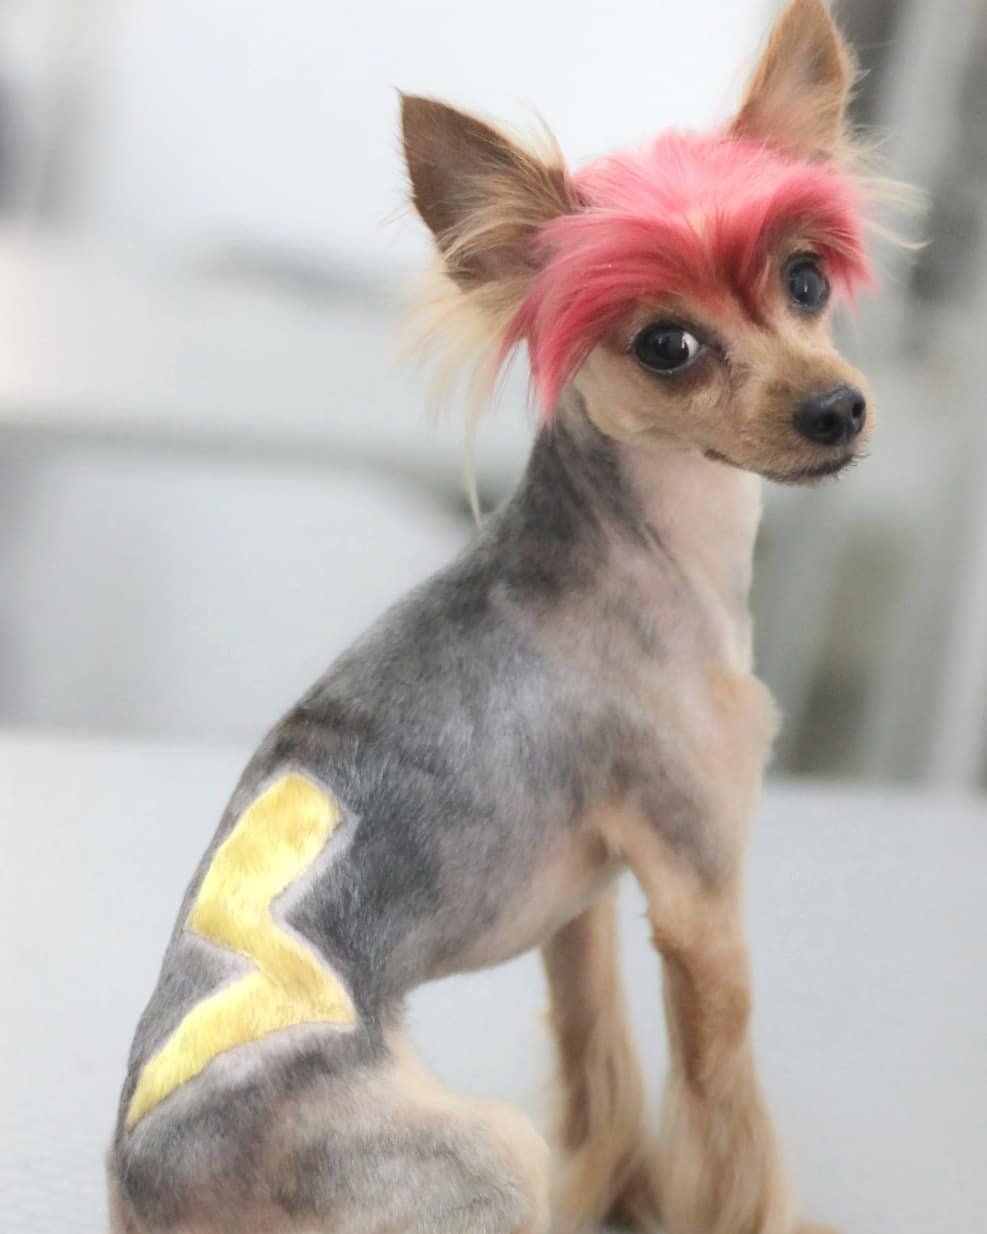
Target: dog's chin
[[807, 476], [816, 473]]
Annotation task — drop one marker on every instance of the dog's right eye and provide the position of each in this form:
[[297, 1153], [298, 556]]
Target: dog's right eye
[[808, 287], [665, 348]]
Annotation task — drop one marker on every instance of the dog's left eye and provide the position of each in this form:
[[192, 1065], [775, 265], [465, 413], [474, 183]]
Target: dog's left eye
[[665, 348], [808, 287]]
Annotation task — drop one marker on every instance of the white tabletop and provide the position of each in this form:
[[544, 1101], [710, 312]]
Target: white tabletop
[[870, 946]]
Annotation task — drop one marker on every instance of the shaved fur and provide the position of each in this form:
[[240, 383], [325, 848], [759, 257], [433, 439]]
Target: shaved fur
[[572, 698]]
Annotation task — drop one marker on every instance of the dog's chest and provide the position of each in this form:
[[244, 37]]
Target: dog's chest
[[710, 721]]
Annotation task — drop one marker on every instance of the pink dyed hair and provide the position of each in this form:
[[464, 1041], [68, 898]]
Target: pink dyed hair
[[688, 213]]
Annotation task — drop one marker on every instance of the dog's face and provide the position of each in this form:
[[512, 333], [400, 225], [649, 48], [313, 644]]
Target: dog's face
[[767, 392], [685, 291]]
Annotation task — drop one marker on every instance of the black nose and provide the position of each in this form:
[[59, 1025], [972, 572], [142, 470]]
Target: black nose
[[833, 418]]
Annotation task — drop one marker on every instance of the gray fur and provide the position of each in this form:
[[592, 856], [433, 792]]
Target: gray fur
[[466, 734]]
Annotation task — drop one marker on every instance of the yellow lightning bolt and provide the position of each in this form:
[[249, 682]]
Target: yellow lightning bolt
[[273, 843]]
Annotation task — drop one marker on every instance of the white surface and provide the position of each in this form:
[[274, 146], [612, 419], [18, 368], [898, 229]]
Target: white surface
[[870, 941]]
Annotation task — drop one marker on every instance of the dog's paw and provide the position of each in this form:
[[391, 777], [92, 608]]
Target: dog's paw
[[635, 1206]]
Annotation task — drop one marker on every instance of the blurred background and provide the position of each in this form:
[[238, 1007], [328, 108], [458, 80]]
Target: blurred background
[[214, 471]]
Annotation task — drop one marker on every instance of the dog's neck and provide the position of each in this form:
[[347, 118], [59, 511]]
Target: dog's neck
[[707, 514], [666, 506]]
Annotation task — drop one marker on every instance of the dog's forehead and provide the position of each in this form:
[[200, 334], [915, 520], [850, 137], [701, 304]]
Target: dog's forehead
[[679, 168], [714, 179]]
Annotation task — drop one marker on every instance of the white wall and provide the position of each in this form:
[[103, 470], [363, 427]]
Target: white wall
[[277, 120], [154, 593]]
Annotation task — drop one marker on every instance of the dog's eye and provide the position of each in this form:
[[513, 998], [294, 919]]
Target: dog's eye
[[808, 287], [665, 348]]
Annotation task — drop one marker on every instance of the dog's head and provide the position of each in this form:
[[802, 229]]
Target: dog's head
[[684, 288]]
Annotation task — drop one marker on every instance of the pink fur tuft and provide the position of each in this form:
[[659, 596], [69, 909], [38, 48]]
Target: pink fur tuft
[[689, 213]]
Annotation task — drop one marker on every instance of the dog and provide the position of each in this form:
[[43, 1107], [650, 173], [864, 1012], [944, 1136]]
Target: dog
[[571, 698]]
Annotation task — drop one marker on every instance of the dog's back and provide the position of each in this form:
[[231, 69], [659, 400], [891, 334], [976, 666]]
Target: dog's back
[[434, 774]]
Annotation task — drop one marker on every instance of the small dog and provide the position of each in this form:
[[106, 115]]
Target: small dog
[[571, 697]]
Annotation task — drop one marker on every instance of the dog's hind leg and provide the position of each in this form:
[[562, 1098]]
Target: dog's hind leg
[[607, 1170], [391, 1151], [121, 1220]]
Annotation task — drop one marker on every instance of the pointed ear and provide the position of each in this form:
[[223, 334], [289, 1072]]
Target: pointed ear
[[482, 197], [798, 96]]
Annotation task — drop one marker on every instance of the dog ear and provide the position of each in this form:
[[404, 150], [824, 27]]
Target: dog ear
[[482, 197], [798, 96]]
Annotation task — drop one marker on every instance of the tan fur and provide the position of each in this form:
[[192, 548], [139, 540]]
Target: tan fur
[[607, 1169], [269, 1221], [484, 196], [576, 876], [484, 1147], [266, 1221], [411, 1090], [742, 414], [797, 100], [798, 94], [719, 1170]]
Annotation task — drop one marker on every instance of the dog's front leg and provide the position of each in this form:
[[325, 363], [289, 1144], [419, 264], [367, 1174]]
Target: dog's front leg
[[607, 1170], [718, 1161], [719, 1168]]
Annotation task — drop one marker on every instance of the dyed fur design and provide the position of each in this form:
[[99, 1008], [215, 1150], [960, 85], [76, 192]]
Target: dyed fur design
[[689, 215], [273, 845], [571, 698]]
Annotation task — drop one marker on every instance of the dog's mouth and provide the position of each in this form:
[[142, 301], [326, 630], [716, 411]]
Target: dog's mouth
[[819, 471], [803, 475]]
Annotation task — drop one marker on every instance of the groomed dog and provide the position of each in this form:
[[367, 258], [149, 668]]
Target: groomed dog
[[572, 697]]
